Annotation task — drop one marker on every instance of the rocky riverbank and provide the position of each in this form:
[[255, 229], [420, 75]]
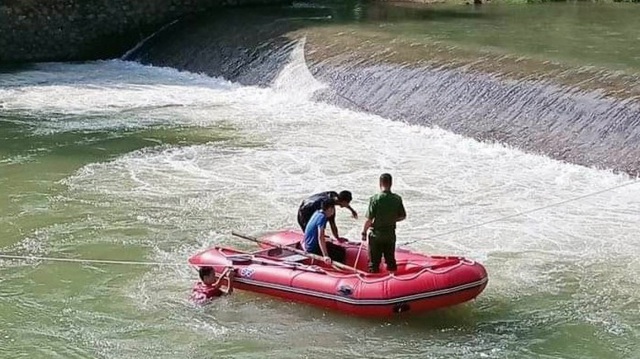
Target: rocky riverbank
[[68, 30]]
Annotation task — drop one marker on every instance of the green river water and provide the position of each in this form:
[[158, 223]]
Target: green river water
[[116, 160]]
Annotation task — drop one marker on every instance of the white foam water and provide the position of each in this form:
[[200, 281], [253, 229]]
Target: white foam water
[[289, 148]]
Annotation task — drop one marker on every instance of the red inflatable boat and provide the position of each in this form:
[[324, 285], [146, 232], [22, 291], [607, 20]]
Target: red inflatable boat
[[421, 282]]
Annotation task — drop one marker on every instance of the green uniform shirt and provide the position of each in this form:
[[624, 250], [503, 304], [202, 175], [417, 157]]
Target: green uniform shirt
[[384, 209]]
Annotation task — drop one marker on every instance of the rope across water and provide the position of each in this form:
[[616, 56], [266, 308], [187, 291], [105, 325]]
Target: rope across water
[[175, 264], [521, 213]]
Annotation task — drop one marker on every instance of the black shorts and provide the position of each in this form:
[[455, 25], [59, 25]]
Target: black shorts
[[336, 253]]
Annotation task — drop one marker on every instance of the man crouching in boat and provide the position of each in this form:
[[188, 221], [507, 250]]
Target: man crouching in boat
[[312, 204], [314, 240], [211, 286]]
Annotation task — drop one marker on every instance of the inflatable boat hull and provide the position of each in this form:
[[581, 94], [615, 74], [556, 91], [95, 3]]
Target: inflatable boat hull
[[421, 283]]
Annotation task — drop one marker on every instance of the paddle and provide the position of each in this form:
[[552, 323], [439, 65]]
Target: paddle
[[359, 251], [299, 266], [337, 265]]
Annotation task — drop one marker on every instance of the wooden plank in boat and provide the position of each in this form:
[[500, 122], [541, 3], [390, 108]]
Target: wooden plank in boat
[[293, 258]]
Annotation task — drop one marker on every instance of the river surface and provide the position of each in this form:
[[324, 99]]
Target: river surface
[[123, 161]]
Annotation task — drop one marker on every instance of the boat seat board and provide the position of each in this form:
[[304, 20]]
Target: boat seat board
[[293, 258]]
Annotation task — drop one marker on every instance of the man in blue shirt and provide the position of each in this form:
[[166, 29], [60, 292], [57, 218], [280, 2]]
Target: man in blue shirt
[[314, 240]]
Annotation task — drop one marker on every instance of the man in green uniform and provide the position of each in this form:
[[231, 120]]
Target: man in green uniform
[[385, 209]]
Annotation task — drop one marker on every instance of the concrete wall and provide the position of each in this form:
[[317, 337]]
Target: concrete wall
[[69, 30]]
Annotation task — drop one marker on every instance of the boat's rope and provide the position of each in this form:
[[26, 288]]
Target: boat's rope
[[87, 260], [521, 213], [402, 277], [104, 261], [160, 264], [176, 264]]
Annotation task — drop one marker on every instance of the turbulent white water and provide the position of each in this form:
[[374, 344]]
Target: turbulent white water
[[577, 260]]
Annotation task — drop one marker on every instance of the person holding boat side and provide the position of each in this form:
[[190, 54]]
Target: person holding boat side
[[385, 210], [211, 286], [314, 240]]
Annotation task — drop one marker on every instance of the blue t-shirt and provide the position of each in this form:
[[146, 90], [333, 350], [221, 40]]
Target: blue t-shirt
[[310, 241]]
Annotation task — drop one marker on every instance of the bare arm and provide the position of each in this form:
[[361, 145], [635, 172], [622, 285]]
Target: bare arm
[[365, 228], [227, 273], [218, 282], [322, 242], [354, 214], [334, 228], [229, 288], [371, 214], [402, 214]]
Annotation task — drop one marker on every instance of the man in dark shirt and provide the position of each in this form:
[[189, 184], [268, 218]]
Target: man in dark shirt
[[312, 204], [385, 209]]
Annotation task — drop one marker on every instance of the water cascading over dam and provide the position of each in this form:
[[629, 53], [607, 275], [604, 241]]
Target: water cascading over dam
[[579, 115]]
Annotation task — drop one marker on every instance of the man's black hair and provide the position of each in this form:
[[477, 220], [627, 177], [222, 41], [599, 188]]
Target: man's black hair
[[345, 196], [327, 204], [386, 179], [205, 272]]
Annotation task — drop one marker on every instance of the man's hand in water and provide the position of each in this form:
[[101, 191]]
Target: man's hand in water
[[354, 214]]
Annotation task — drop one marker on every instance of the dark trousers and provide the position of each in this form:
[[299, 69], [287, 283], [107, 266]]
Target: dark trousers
[[336, 253], [382, 244]]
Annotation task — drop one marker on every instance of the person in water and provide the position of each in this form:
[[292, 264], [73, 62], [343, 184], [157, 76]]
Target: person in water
[[211, 286], [314, 240], [385, 210], [312, 204]]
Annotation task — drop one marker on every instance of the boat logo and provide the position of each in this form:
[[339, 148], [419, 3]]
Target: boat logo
[[345, 290], [247, 272]]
